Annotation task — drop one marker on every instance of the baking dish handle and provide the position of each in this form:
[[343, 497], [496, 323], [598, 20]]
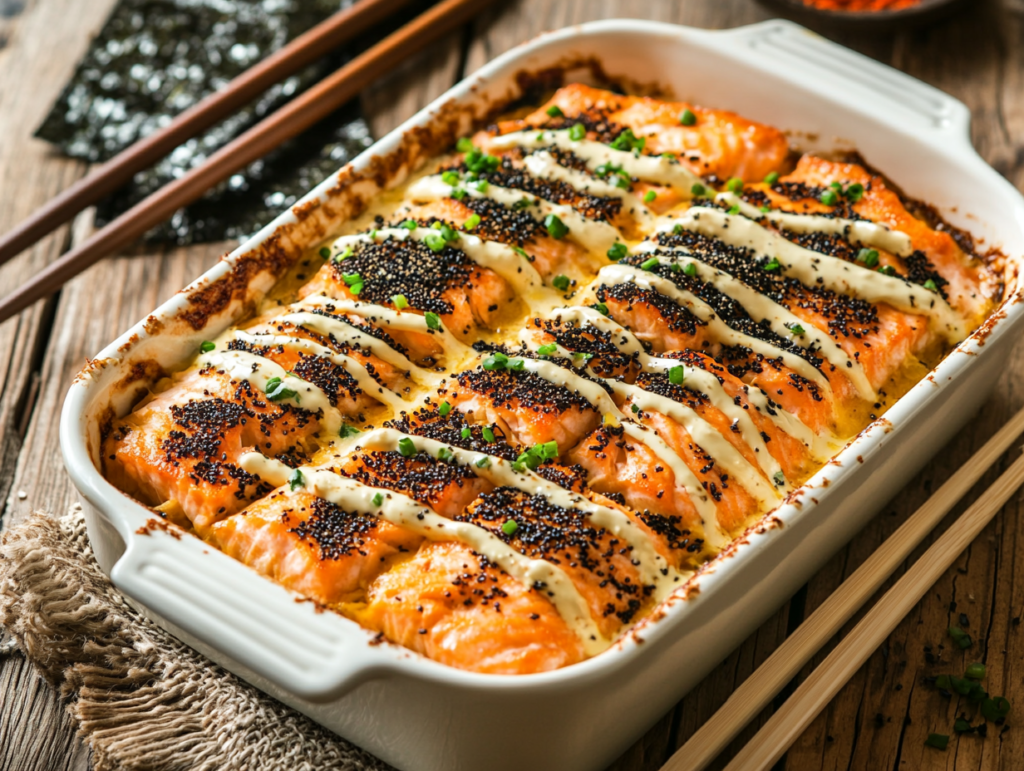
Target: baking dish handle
[[273, 634], [797, 53]]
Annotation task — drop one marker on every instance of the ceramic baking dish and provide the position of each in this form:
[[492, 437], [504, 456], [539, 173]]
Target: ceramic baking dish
[[423, 716]]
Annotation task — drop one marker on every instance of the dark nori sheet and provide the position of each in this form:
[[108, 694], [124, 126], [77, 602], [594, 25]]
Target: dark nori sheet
[[155, 58]]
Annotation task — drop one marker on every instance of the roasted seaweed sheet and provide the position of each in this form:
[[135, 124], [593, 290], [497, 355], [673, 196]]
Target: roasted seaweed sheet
[[155, 58]]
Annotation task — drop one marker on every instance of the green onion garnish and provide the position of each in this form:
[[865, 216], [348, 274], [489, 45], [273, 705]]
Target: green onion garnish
[[547, 350], [796, 329], [466, 432], [868, 256], [409, 224], [698, 189], [296, 480], [648, 264], [344, 254], [206, 346], [676, 375], [444, 408], [451, 178], [400, 301], [516, 365], [829, 198], [555, 111], [496, 361], [649, 196], [325, 252], [378, 499], [960, 637], [346, 431], [555, 227], [627, 140], [690, 269], [464, 145], [734, 185], [617, 252], [600, 308], [510, 527], [854, 192], [577, 132], [406, 447], [780, 478], [772, 264], [687, 118], [560, 282], [887, 270], [483, 462], [488, 434], [995, 709], [735, 209], [938, 741], [975, 671], [434, 241], [433, 320], [675, 267], [930, 286], [772, 178], [445, 454], [276, 390], [471, 223]]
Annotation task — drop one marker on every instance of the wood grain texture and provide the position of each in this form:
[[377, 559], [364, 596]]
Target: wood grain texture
[[880, 720]]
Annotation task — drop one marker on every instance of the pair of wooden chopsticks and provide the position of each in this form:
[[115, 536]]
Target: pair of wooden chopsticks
[[289, 121], [814, 694]]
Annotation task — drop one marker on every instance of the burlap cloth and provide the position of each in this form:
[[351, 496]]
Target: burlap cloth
[[141, 699]]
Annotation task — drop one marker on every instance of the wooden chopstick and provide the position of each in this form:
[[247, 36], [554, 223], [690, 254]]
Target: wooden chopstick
[[118, 171], [293, 118], [768, 680]]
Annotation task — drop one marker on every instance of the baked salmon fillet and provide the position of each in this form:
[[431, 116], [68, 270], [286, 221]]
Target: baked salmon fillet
[[526, 396]]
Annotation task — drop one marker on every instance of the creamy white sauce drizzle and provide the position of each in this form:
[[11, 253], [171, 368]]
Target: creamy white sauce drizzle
[[242, 365], [595, 237], [403, 511], [860, 232], [358, 371], [816, 269], [781, 321], [620, 274], [651, 168]]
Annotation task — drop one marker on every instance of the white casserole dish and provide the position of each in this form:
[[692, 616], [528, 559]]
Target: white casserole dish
[[423, 716]]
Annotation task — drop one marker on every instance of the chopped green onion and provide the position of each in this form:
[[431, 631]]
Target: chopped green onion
[[535, 456], [516, 365], [466, 432], [547, 350], [677, 230], [325, 252], [378, 499], [975, 671], [451, 178], [675, 267], [735, 209], [483, 462], [868, 256], [600, 308], [577, 132], [346, 431], [796, 329], [649, 196], [373, 235], [496, 361], [960, 637], [488, 434], [400, 301], [780, 478], [444, 408], [471, 223], [930, 286], [887, 270], [617, 251], [445, 454], [687, 118], [635, 408], [698, 189], [854, 192], [772, 264], [522, 203], [510, 527], [464, 145], [555, 227], [836, 185], [435, 242], [458, 193], [676, 375], [296, 480], [734, 185], [433, 320], [961, 726], [829, 198], [938, 741], [409, 224], [344, 254], [690, 269], [448, 233], [479, 162], [995, 709], [555, 111], [765, 209], [276, 390], [206, 346], [627, 140], [560, 282], [648, 264], [772, 178], [406, 447]]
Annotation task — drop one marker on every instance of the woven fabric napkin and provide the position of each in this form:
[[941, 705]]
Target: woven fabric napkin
[[141, 698]]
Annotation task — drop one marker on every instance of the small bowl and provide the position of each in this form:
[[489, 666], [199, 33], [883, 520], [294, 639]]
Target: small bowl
[[926, 12]]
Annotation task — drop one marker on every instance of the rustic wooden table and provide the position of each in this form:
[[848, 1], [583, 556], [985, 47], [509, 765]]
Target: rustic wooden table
[[878, 721]]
